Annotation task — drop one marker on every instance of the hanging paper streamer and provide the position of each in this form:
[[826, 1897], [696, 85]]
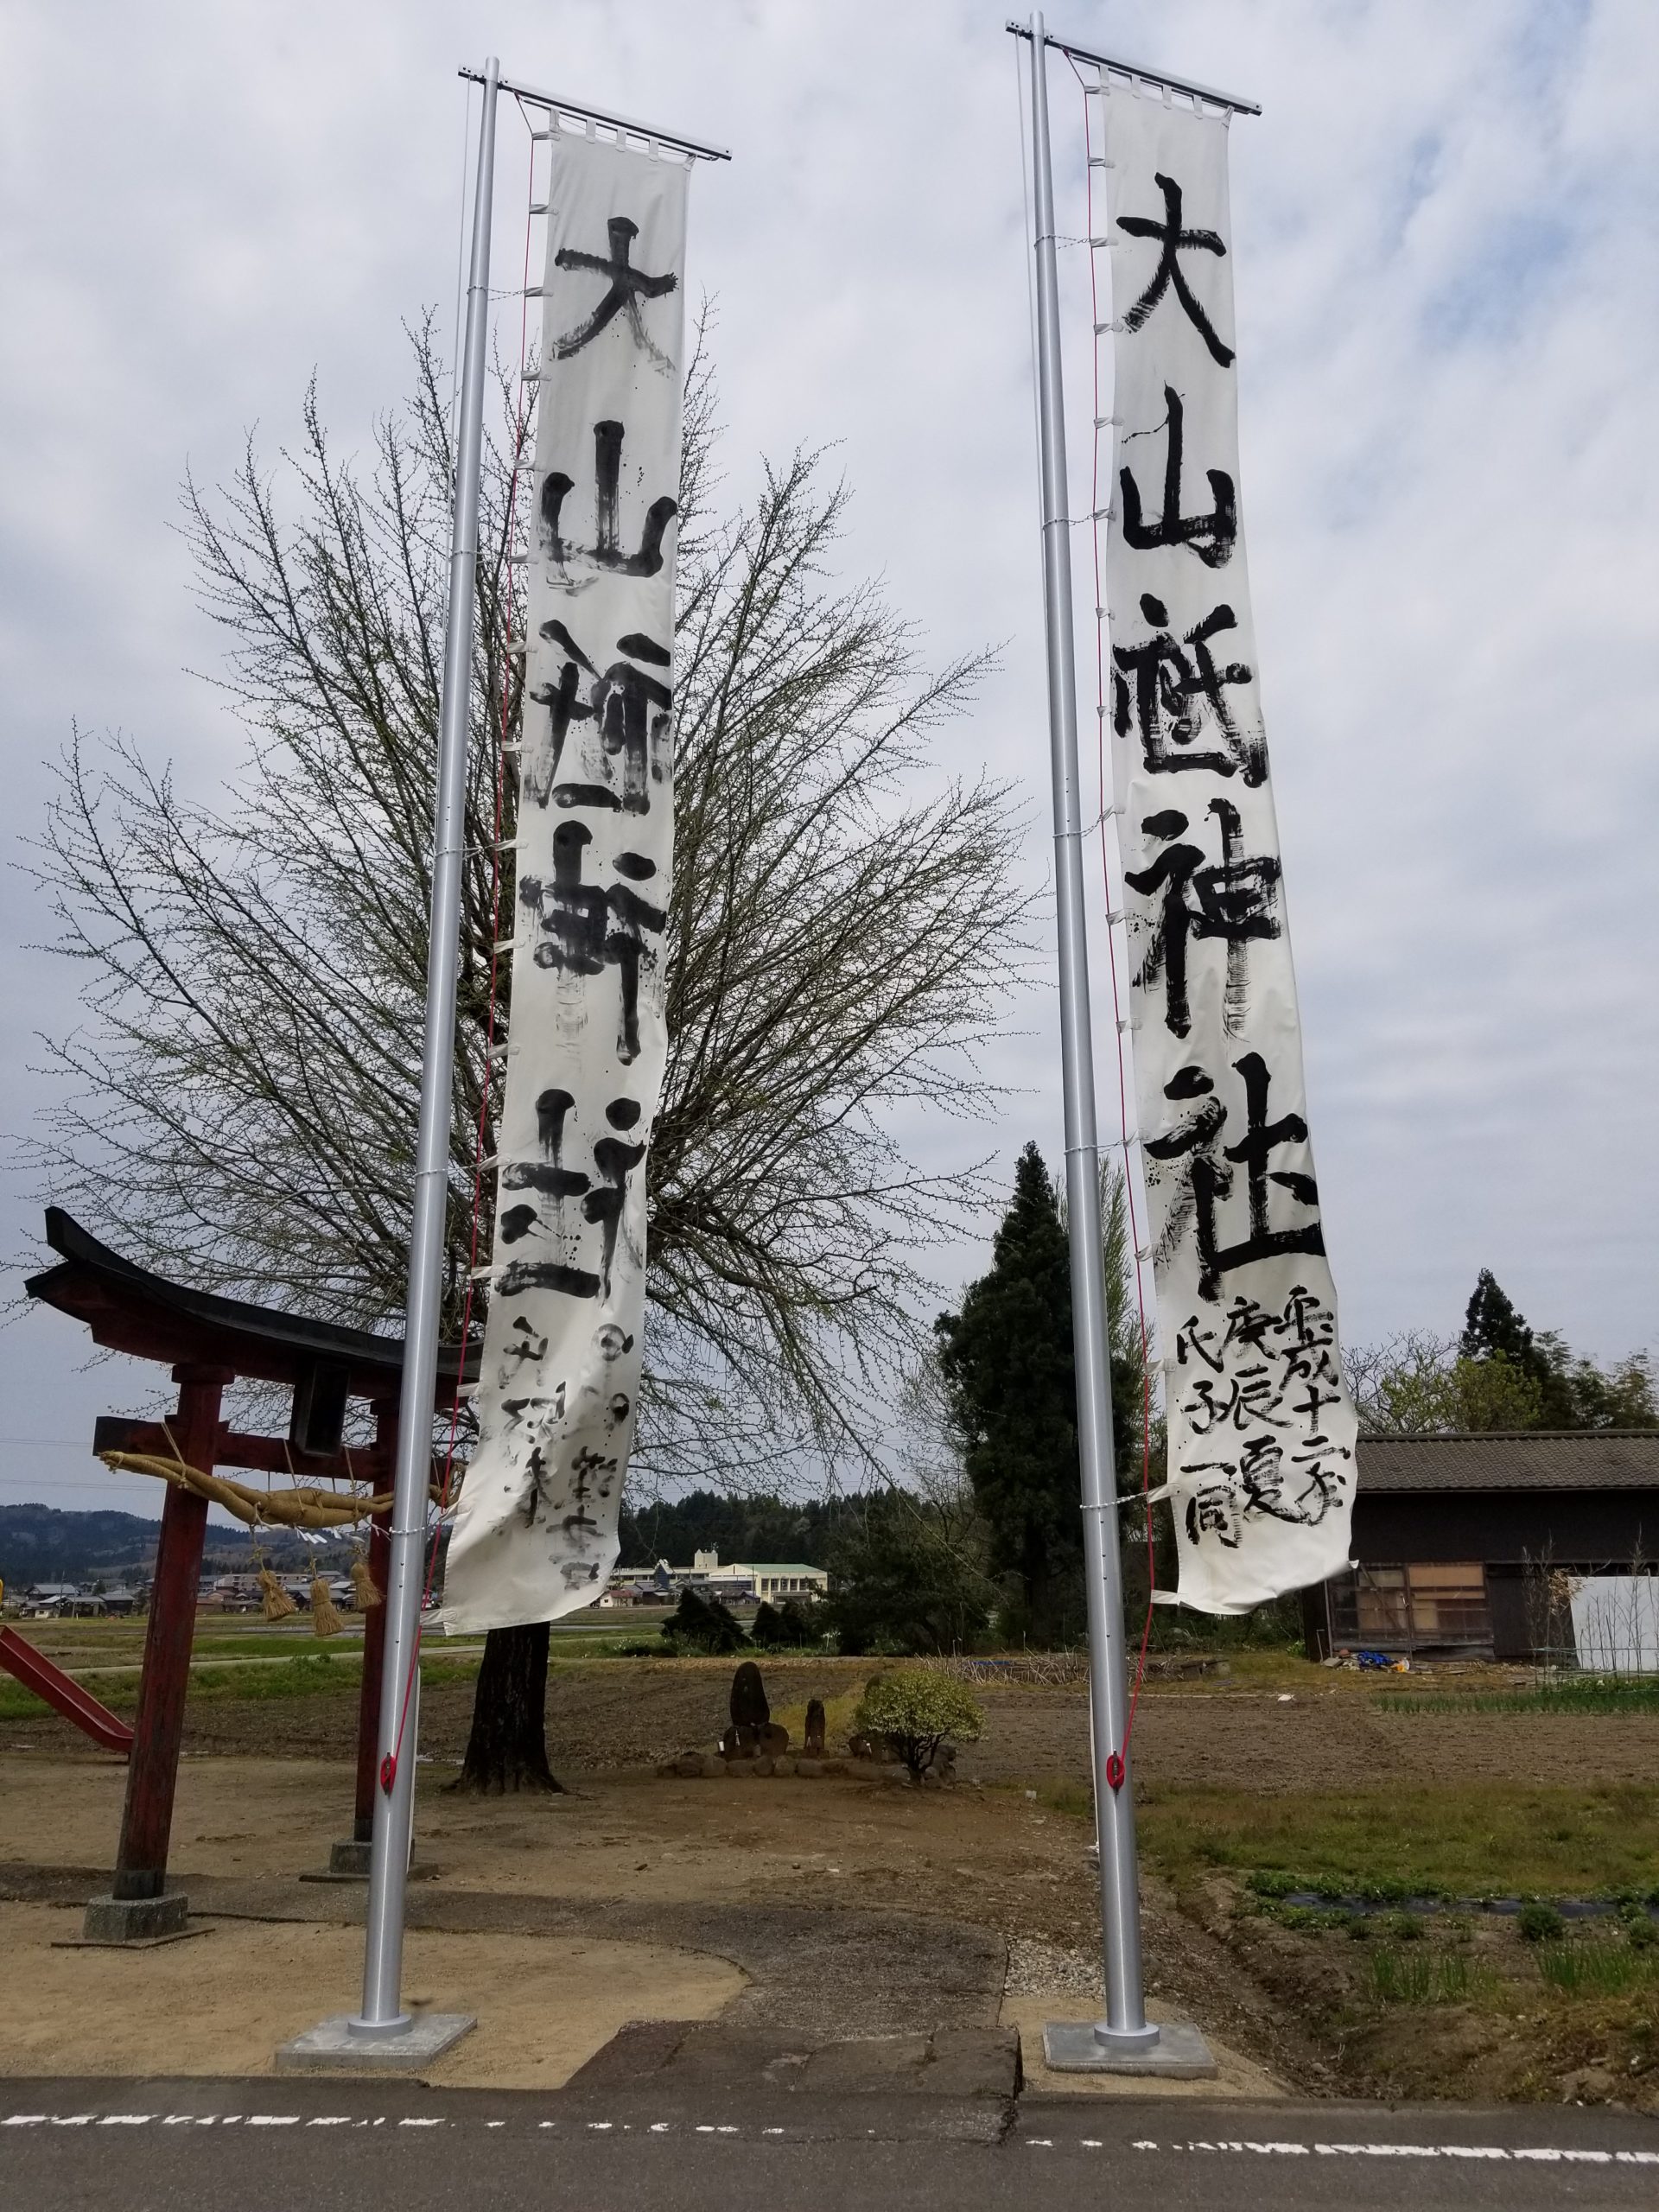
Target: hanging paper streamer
[[535, 1531], [1261, 1427]]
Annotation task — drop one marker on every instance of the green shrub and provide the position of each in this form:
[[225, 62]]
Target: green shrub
[[1539, 1924], [1404, 1927], [1274, 1882], [917, 1711], [1312, 1919]]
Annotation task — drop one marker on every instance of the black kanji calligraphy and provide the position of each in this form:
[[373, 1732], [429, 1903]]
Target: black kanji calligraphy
[[1211, 537], [1166, 689], [1195, 1140], [1300, 1490], [1212, 1507], [628, 286], [584, 930], [1234, 901], [606, 551], [1254, 1152], [615, 1160], [1172, 242], [1251, 1365], [632, 710]]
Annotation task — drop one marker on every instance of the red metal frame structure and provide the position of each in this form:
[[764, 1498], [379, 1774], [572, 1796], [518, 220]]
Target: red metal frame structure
[[209, 1342], [62, 1693]]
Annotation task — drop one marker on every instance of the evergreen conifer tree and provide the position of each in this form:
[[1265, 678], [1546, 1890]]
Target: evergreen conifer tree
[[1491, 1327], [1007, 1357], [1493, 1330]]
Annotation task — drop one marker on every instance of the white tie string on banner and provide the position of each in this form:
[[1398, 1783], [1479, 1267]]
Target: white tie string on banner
[[1261, 1427], [535, 1530]]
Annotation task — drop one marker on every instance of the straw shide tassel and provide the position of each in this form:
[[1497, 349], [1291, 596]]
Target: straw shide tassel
[[325, 1614], [279, 1604], [363, 1586]]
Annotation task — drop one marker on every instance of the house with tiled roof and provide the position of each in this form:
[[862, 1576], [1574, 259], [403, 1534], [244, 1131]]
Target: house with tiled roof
[[1478, 1544]]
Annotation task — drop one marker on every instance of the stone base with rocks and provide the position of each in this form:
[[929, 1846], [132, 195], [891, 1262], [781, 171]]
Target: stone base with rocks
[[757, 1766], [755, 1747]]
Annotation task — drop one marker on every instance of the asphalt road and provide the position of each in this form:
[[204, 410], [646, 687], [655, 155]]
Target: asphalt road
[[268, 2146]]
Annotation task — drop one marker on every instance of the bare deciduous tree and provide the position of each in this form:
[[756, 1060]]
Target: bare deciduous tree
[[249, 1058], [243, 1084]]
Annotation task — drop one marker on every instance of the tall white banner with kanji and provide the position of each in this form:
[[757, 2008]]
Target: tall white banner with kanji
[[535, 1531], [1261, 1425]]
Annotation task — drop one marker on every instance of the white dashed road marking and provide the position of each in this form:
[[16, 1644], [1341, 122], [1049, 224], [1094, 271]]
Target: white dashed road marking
[[1536, 2154]]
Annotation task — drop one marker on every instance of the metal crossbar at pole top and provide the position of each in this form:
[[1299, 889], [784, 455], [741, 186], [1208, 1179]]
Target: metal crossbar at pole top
[[555, 104], [1134, 71]]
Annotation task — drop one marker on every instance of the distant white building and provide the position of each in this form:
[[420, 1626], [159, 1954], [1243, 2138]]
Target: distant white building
[[767, 1581]]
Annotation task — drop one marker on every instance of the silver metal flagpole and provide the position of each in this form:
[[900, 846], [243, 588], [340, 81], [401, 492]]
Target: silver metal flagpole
[[1125, 2028], [1125, 2040], [383, 1959]]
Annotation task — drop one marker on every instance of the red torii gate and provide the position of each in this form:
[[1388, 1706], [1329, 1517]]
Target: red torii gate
[[209, 1342]]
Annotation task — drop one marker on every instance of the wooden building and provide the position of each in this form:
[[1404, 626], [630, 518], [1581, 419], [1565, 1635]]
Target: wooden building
[[1457, 1539]]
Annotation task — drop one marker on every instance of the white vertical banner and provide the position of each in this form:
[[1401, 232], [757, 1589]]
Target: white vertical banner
[[535, 1531], [1261, 1427]]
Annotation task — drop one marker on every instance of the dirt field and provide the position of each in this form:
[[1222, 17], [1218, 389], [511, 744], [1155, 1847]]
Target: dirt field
[[1231, 1776], [619, 1714]]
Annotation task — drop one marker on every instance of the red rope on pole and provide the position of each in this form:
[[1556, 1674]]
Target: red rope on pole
[[1118, 1764], [389, 1765]]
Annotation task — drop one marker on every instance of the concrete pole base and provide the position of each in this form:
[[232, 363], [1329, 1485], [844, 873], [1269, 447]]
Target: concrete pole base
[[335, 2046], [1178, 2053], [134, 1920]]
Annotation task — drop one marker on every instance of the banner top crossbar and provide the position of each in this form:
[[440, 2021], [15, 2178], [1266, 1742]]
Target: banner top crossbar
[[1147, 76], [555, 104]]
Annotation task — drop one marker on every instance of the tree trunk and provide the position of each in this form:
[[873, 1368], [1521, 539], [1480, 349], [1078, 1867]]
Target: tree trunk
[[507, 1747]]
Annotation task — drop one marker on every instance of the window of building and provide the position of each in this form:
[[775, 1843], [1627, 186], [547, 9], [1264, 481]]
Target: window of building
[[1429, 1603]]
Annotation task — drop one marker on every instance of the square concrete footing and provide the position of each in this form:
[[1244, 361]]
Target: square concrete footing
[[1181, 2053], [136, 1919], [331, 2047], [349, 1862]]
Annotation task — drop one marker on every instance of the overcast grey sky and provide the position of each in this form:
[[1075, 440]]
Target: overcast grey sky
[[1444, 262]]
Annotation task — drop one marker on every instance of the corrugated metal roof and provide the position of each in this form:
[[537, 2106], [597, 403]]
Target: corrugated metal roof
[[1526, 1459]]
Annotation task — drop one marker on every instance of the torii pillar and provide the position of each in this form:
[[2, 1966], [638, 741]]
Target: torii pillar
[[140, 1907]]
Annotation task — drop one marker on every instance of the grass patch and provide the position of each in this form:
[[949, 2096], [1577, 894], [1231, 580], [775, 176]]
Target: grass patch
[[313, 1674], [1577, 1694], [320, 1673], [1425, 1977], [600, 1647], [837, 1719], [1483, 1840], [1596, 1966], [1274, 1882]]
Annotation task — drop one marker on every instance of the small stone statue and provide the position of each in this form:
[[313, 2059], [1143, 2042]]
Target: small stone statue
[[814, 1740], [749, 1706]]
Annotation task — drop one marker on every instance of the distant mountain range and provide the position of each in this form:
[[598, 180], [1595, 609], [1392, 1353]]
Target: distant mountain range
[[41, 1543]]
